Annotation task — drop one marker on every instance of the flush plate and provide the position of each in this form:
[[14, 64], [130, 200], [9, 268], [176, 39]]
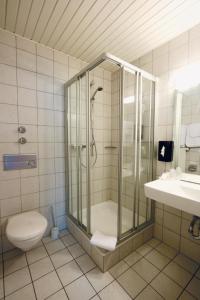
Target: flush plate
[[19, 161]]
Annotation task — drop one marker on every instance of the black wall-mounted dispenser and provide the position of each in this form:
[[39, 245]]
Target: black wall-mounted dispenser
[[165, 151]]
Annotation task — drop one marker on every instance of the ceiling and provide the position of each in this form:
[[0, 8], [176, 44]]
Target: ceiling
[[86, 28]]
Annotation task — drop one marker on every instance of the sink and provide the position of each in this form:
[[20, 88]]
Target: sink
[[176, 193]]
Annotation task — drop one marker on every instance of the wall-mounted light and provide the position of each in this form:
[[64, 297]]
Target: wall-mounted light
[[186, 78], [129, 99]]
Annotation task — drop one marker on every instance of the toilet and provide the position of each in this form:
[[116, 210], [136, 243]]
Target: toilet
[[25, 230]]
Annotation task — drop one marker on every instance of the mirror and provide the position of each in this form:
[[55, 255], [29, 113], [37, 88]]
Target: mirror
[[187, 130]]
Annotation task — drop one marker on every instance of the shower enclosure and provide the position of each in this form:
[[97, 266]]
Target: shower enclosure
[[109, 109]]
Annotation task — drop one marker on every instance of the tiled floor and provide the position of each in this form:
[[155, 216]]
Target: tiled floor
[[60, 270]]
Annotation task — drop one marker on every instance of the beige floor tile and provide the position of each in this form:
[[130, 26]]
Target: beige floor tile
[[26, 293], [145, 269], [157, 259], [16, 280], [186, 263], [1, 289], [153, 243], [54, 246], [86, 263], [69, 272], [132, 258], [47, 239], [114, 291], [198, 274], [14, 264], [41, 267], [63, 233], [178, 274], [68, 240], [80, 289], [194, 287], [36, 254], [61, 258], [12, 253], [76, 250], [132, 282], [149, 294], [47, 285], [98, 279], [166, 287], [166, 250], [144, 249], [60, 295], [186, 296], [95, 298], [118, 269]]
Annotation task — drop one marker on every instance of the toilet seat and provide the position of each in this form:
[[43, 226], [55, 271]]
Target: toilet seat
[[26, 226]]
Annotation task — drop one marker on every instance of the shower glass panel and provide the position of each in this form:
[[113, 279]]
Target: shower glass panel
[[146, 107], [72, 149], [109, 141], [77, 150], [129, 134]]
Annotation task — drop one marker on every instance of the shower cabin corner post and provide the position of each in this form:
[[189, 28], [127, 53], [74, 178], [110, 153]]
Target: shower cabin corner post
[[120, 157], [88, 187], [67, 154]]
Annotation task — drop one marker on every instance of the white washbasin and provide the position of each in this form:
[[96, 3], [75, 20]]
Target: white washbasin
[[176, 193]]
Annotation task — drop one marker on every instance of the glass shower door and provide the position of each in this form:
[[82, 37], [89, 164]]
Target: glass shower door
[[146, 97], [77, 149]]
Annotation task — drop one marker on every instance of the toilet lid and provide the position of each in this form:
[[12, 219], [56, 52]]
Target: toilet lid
[[26, 225]]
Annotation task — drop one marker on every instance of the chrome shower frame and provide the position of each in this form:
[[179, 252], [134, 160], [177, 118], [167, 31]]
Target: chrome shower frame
[[123, 65]]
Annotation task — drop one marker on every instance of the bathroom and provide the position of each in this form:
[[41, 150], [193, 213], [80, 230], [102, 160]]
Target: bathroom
[[99, 149]]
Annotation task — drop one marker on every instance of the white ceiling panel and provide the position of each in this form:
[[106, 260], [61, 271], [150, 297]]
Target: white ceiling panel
[[86, 28]]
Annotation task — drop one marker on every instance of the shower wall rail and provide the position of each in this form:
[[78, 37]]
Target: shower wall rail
[[82, 93]]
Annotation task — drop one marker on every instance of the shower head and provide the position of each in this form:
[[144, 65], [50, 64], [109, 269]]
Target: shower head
[[99, 89]]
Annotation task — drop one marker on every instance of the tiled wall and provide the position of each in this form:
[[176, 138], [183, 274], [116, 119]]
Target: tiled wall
[[171, 224], [32, 81]]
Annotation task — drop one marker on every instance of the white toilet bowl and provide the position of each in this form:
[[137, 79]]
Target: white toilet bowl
[[25, 230]]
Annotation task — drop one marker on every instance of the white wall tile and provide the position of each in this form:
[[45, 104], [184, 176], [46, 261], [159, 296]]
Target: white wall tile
[[45, 100], [6, 191], [47, 182], [8, 133], [44, 83], [26, 60], [60, 71], [45, 134], [8, 113], [46, 166], [7, 74], [60, 57], [59, 118], [46, 150], [27, 97], [27, 115], [44, 66], [45, 117], [29, 185], [26, 45], [8, 94], [44, 51], [30, 201], [10, 206], [7, 55], [26, 79], [59, 86], [59, 102]]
